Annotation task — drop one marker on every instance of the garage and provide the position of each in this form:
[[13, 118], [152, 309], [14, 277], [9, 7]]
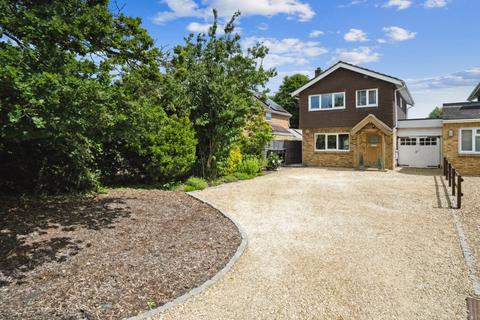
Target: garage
[[419, 143]]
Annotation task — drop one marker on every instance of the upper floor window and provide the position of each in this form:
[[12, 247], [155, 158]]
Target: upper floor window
[[469, 140], [326, 101], [367, 98], [268, 115]]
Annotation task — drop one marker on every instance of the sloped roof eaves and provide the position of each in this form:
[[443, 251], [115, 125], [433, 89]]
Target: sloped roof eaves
[[271, 105], [395, 80], [475, 93]]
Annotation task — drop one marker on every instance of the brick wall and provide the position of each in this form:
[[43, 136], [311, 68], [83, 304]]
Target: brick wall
[[466, 164], [325, 158], [279, 120]]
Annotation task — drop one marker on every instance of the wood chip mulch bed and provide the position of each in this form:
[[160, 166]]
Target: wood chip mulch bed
[[107, 257]]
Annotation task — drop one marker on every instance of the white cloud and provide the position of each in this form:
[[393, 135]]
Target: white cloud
[[316, 33], [435, 3], [291, 51], [359, 55], [469, 77], [189, 8], [262, 26], [398, 34], [198, 27], [355, 35], [400, 4], [381, 40]]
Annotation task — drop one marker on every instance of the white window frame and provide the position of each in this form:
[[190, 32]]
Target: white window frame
[[475, 133], [268, 116], [368, 105], [333, 101], [326, 134]]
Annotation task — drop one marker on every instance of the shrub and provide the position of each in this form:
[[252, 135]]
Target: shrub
[[194, 183], [273, 161], [234, 159], [229, 178], [251, 166], [243, 176]]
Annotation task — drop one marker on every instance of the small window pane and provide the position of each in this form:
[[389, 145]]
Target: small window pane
[[268, 116], [372, 97], [467, 142], [477, 143], [332, 142], [327, 101], [373, 139], [339, 99], [314, 102], [362, 98], [343, 142], [320, 143]]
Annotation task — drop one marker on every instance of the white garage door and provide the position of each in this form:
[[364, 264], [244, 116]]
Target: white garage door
[[419, 152]]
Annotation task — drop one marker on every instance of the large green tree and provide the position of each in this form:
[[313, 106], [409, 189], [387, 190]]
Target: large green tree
[[80, 94], [219, 79], [283, 97]]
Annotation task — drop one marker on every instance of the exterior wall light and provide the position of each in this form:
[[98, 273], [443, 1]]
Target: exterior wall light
[[450, 132]]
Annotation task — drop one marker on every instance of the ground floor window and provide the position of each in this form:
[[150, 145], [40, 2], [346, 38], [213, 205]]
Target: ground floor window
[[469, 140], [332, 142]]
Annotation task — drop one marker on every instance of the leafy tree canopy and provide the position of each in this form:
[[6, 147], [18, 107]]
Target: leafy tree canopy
[[436, 113], [283, 97], [220, 79]]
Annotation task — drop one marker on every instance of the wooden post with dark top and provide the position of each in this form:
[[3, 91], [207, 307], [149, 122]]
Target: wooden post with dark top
[[459, 192], [449, 174], [445, 167]]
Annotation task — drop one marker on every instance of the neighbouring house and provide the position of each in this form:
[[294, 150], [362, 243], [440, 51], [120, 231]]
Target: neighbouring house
[[355, 117], [461, 134], [286, 142], [349, 117]]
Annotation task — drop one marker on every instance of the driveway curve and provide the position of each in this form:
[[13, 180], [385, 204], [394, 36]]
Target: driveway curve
[[338, 244]]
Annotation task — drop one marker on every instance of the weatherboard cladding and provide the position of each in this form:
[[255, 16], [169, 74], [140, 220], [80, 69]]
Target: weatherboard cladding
[[343, 80]]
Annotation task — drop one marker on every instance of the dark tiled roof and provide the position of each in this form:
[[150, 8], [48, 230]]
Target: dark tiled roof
[[279, 129], [369, 70], [462, 110], [269, 104]]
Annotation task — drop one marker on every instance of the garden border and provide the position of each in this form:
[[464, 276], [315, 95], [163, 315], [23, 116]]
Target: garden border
[[217, 277]]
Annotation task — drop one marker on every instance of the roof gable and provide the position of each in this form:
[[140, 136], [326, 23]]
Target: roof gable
[[400, 84], [475, 93]]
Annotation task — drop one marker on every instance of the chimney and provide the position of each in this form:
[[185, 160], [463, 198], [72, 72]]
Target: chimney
[[318, 71]]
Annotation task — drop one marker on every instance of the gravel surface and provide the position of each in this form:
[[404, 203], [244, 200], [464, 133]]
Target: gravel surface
[[470, 216], [338, 244], [106, 257]]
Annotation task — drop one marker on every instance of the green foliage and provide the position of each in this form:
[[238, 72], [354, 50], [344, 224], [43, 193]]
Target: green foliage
[[436, 113], [244, 176], [218, 79], [256, 133], [273, 161], [251, 166], [234, 159], [228, 178], [194, 183], [81, 100], [283, 97]]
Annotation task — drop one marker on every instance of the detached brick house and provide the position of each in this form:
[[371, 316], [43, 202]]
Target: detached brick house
[[349, 116], [353, 117]]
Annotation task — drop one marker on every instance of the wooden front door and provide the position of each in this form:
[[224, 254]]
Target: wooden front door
[[374, 150]]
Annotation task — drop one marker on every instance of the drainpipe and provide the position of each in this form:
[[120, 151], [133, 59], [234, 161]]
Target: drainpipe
[[396, 120]]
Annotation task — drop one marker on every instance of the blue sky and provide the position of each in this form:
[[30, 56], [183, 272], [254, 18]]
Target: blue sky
[[431, 44]]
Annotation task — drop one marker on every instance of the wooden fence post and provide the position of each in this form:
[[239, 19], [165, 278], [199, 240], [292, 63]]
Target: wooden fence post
[[449, 174], [459, 192], [445, 167], [453, 181]]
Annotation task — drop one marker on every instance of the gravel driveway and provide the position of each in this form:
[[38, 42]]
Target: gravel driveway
[[338, 244]]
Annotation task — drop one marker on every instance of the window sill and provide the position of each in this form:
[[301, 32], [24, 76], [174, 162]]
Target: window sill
[[366, 107], [332, 151], [332, 109]]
